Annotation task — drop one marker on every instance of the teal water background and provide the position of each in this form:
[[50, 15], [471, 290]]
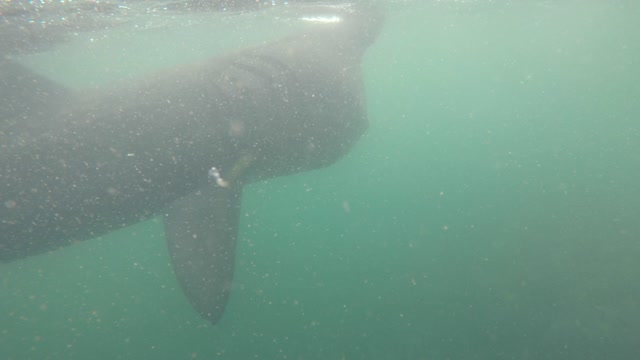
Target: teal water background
[[490, 212]]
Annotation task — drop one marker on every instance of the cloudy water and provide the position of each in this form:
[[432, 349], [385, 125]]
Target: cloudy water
[[489, 212]]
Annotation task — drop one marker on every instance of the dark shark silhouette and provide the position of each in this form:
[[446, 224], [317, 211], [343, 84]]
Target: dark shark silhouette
[[179, 144]]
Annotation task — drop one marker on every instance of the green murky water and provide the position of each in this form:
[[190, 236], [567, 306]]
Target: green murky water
[[491, 212]]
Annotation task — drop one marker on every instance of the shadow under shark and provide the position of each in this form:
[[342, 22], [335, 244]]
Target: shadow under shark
[[179, 144]]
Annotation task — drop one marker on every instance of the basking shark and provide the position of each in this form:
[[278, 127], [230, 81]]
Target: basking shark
[[178, 144]]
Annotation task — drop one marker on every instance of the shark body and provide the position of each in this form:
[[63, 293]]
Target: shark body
[[179, 144]]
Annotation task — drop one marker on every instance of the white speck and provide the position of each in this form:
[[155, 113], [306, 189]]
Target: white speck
[[322, 19]]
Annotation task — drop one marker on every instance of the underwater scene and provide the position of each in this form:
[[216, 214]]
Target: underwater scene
[[308, 180]]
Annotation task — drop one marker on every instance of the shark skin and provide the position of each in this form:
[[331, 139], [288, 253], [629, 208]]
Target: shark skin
[[179, 144]]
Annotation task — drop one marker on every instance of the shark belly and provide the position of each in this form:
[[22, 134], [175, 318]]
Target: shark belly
[[95, 161]]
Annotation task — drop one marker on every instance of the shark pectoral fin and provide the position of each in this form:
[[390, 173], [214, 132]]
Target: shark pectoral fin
[[201, 230], [24, 95]]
